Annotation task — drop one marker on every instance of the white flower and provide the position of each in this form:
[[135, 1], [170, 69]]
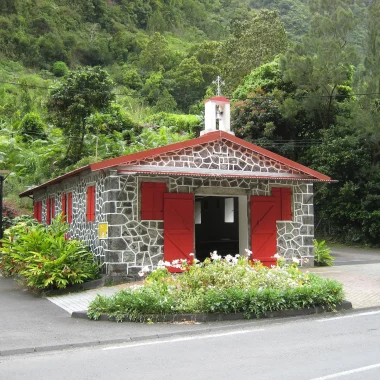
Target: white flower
[[295, 260], [215, 256], [248, 252], [175, 262], [167, 264], [276, 256], [228, 258], [191, 254]]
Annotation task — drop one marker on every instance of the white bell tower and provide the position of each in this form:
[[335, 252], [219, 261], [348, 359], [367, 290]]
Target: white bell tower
[[217, 113]]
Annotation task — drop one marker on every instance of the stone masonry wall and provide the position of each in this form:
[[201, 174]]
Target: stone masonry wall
[[80, 228], [219, 155], [134, 243]]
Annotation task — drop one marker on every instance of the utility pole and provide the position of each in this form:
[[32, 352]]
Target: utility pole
[[3, 175]]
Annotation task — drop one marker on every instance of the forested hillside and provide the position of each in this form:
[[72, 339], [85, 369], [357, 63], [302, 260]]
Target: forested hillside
[[86, 80]]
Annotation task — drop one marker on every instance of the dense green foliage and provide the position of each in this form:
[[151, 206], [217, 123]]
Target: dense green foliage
[[43, 257], [218, 285], [82, 80]]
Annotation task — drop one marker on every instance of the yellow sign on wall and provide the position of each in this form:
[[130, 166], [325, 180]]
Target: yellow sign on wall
[[103, 230]]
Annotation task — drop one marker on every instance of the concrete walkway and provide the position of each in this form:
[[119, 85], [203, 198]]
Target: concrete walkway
[[361, 282], [79, 301]]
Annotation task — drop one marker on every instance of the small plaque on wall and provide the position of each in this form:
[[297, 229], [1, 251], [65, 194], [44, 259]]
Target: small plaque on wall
[[103, 230]]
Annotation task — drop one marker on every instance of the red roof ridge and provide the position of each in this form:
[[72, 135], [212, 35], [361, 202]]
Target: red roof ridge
[[207, 137]]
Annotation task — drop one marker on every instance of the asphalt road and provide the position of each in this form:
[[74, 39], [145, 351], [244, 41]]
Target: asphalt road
[[353, 256], [332, 347]]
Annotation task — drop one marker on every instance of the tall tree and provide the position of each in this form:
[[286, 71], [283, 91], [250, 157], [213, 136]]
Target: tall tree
[[252, 43], [81, 93], [321, 66]]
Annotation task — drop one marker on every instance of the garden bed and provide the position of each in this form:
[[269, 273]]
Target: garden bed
[[220, 286]]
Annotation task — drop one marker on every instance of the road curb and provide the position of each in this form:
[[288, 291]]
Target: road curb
[[140, 338], [218, 317]]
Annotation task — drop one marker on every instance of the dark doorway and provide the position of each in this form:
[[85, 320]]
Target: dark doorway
[[216, 226]]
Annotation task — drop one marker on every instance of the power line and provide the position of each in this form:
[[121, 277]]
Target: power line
[[261, 97]]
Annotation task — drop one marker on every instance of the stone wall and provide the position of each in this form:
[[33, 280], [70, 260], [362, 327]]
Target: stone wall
[[218, 155], [80, 228], [134, 243]]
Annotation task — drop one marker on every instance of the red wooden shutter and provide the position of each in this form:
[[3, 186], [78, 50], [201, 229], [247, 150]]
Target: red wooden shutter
[[35, 210], [286, 204], [39, 211], [48, 211], [63, 204], [52, 208], [147, 191], [152, 200], [69, 207], [284, 197], [178, 227], [265, 211], [90, 204], [158, 201]]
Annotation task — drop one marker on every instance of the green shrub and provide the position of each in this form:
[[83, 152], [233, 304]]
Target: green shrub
[[217, 285], [32, 127], [59, 69], [179, 123], [43, 257], [322, 257]]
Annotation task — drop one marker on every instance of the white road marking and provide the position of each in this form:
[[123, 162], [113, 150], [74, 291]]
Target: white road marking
[[349, 316], [183, 339], [345, 373], [328, 272]]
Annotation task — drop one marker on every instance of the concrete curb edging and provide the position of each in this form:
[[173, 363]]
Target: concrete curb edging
[[139, 338], [218, 317]]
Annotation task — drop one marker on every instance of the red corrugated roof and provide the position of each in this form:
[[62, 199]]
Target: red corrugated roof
[[206, 138]]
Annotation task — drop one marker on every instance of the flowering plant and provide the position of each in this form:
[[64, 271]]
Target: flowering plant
[[227, 284]]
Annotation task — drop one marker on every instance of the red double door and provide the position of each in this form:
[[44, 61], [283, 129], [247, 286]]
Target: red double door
[[265, 212], [178, 227]]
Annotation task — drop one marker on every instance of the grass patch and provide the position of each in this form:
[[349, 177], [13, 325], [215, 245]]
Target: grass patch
[[230, 285]]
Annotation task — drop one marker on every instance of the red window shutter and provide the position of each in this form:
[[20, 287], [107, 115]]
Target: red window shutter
[[35, 210], [90, 204], [39, 211], [69, 207], [52, 208], [152, 200], [147, 191], [63, 206], [48, 211], [158, 201], [286, 203], [283, 196]]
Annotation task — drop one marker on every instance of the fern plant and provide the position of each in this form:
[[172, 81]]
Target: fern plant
[[322, 257]]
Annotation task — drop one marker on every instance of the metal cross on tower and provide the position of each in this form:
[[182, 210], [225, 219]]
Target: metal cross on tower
[[219, 83]]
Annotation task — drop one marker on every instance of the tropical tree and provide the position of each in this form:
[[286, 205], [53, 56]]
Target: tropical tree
[[321, 65], [252, 43], [81, 93]]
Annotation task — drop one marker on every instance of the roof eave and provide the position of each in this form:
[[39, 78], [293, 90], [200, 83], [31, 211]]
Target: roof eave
[[54, 181]]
